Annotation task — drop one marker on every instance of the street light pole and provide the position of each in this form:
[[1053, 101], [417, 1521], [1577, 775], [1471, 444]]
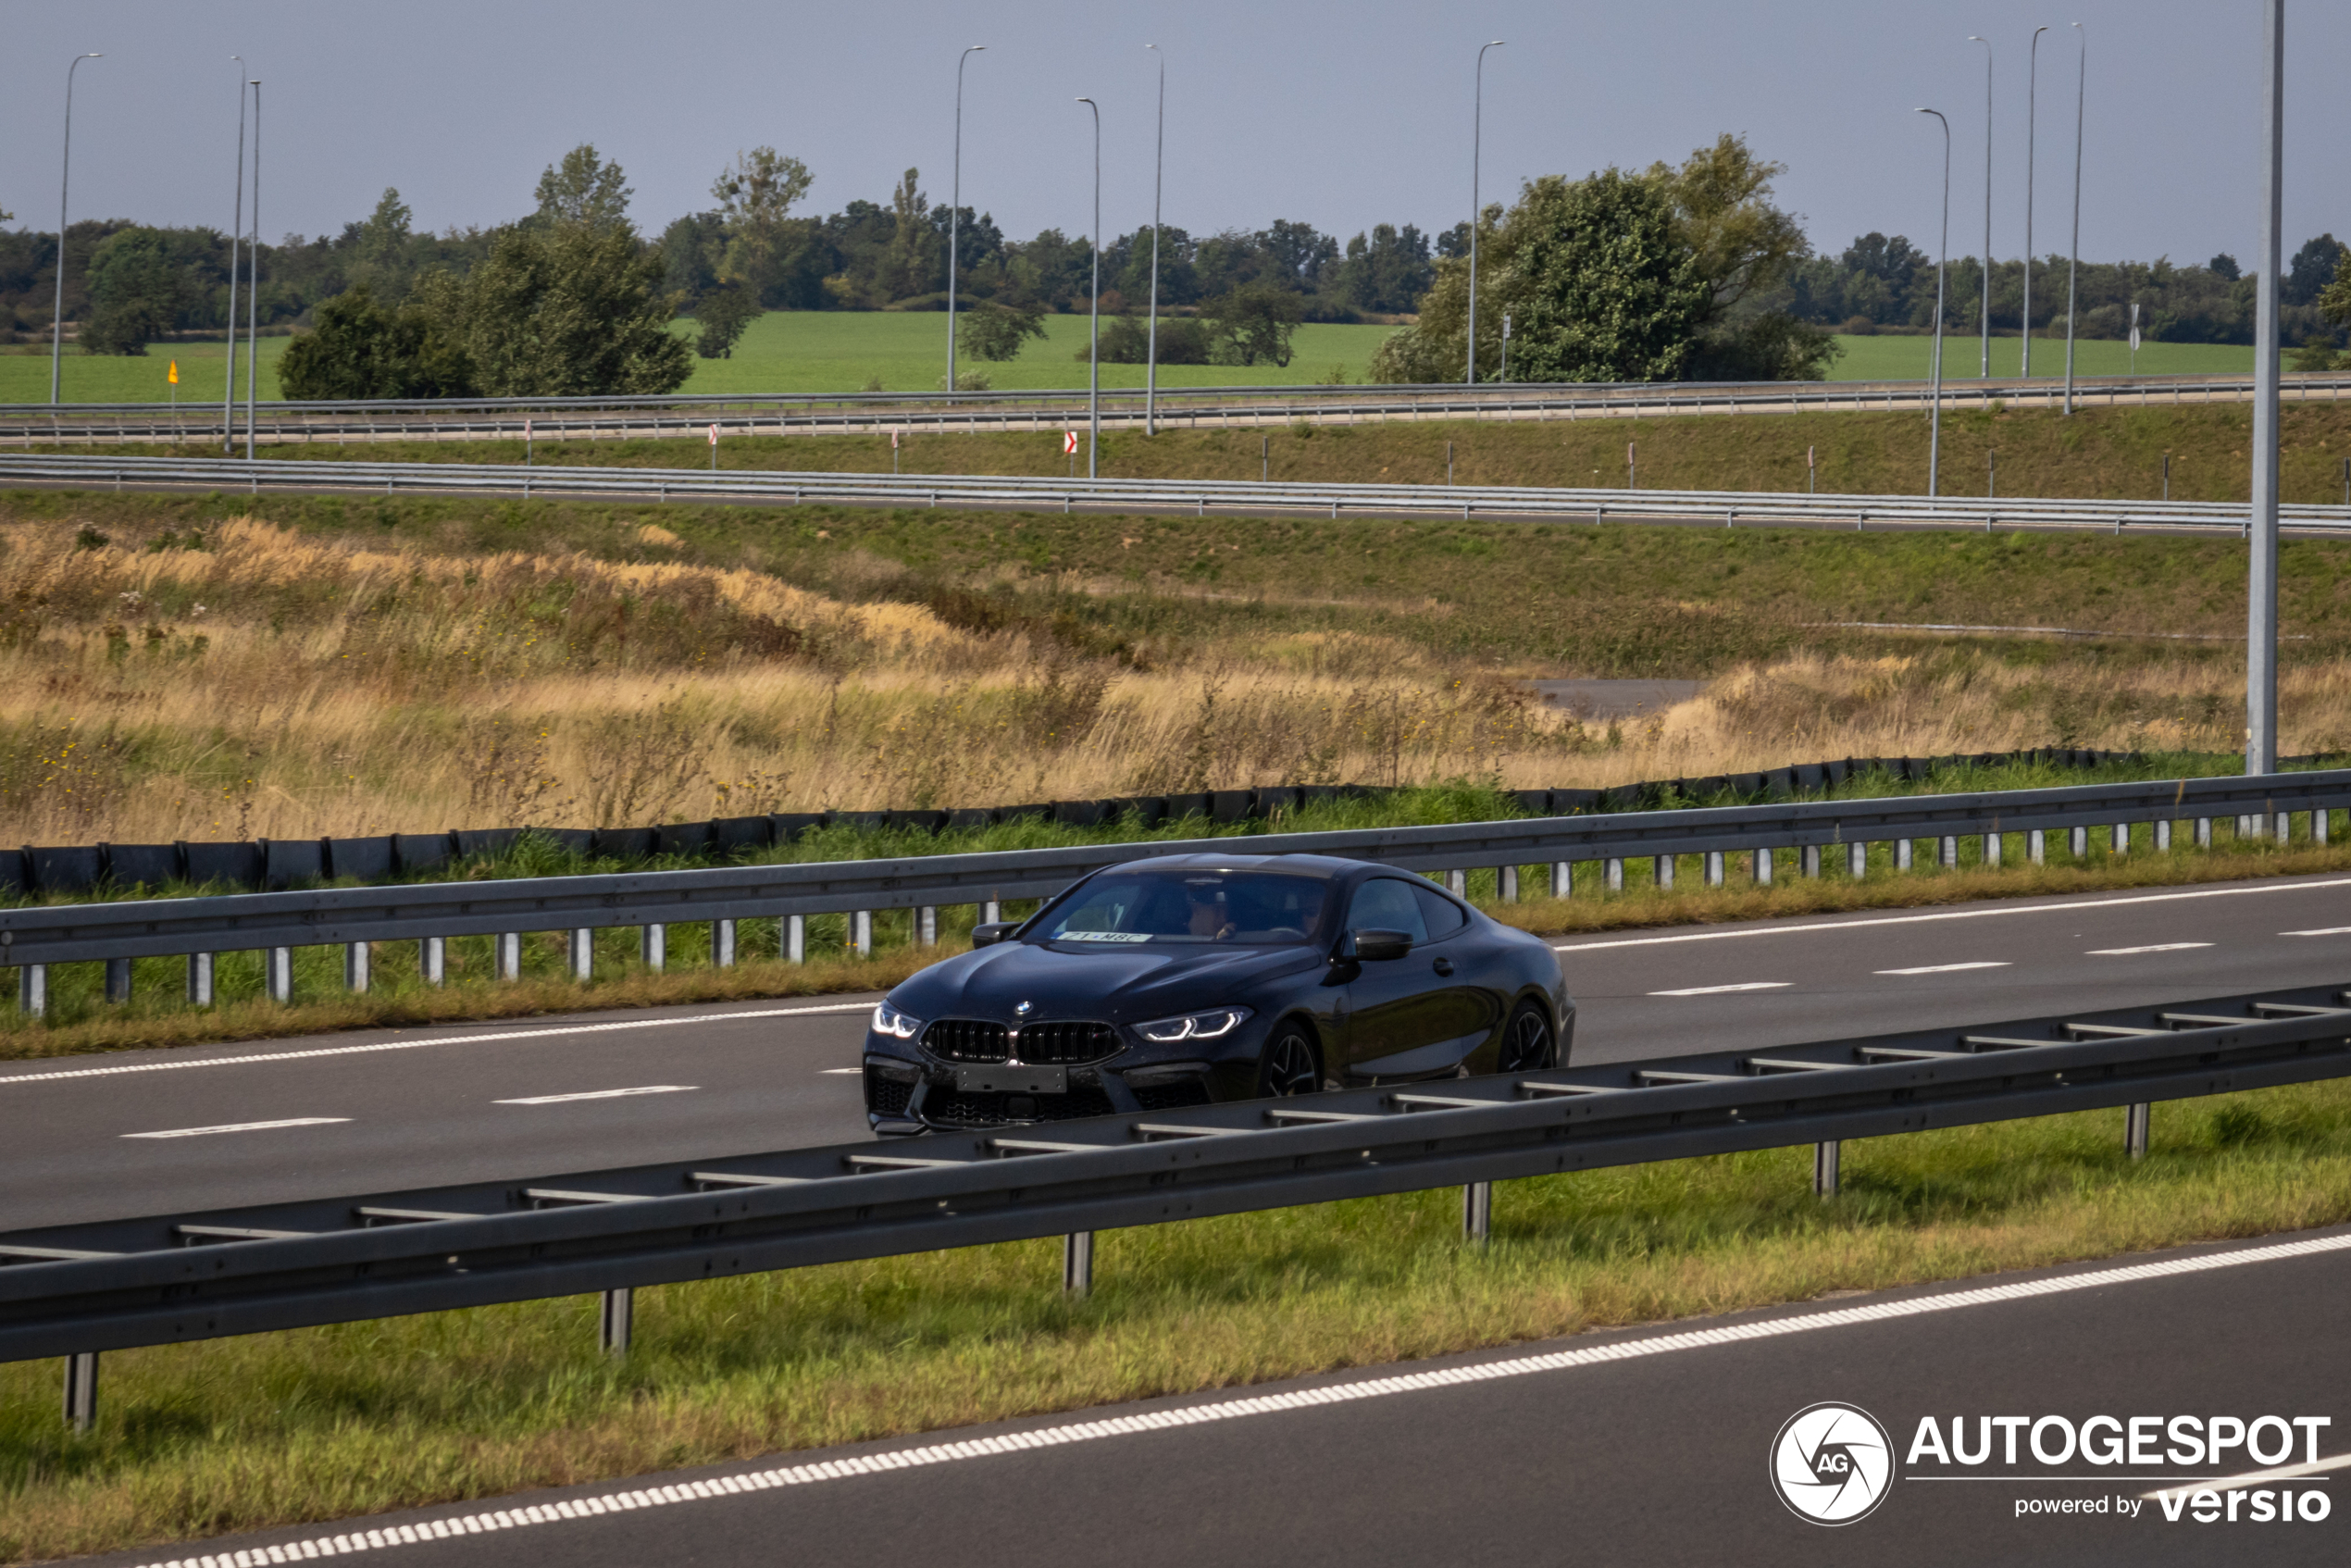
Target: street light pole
[[2074, 257], [955, 210], [1477, 128], [2261, 620], [236, 243], [1934, 419], [1159, 175], [58, 324], [252, 293], [1986, 372], [2031, 103], [1094, 307]]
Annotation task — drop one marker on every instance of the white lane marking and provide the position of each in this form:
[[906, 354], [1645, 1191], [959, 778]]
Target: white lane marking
[[1951, 969], [242, 1126], [2326, 931], [1987, 912], [2254, 1478], [829, 1071], [1717, 991], [6, 1079], [2151, 947], [1099, 1427], [600, 1094]]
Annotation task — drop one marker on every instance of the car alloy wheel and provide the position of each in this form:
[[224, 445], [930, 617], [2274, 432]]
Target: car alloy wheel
[[1528, 1045], [1289, 1067]]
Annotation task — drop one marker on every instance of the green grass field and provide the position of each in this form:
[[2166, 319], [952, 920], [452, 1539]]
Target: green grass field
[[906, 351], [1911, 359]]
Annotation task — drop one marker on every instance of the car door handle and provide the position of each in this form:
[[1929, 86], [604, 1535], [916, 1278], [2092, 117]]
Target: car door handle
[[1444, 967]]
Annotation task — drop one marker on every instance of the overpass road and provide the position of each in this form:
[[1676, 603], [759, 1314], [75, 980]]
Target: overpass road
[[105, 1136]]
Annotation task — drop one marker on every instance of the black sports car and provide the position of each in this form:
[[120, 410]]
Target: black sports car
[[1160, 983]]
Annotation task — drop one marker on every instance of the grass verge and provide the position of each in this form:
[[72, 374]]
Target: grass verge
[[323, 1423]]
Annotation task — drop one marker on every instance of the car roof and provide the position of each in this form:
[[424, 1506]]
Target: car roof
[[1321, 867]]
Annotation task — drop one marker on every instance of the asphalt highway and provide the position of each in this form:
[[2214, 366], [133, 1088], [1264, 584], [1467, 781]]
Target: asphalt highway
[[1636, 1447], [122, 1134]]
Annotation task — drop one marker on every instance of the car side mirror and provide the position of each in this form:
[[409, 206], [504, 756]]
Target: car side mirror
[[990, 933], [1377, 947]]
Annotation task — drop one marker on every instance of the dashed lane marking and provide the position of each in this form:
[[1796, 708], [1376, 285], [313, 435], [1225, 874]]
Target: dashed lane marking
[[2151, 947], [10, 1078], [1949, 968], [1718, 991], [600, 1094], [2325, 931], [242, 1126], [1097, 1428]]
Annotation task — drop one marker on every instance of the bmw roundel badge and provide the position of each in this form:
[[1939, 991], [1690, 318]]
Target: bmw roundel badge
[[1023, 1009]]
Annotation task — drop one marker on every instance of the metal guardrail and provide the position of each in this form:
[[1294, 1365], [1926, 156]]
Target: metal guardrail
[[1500, 502], [77, 1291], [34, 935]]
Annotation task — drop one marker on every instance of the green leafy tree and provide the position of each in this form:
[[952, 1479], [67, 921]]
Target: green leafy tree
[[723, 313], [584, 190], [361, 348], [756, 198], [997, 331], [912, 252], [574, 310], [139, 283], [1254, 322]]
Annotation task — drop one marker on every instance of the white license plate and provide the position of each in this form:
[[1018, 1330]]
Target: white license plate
[[1011, 1080]]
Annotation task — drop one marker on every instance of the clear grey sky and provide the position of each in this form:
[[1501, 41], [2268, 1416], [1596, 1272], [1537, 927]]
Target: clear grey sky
[[1339, 115]]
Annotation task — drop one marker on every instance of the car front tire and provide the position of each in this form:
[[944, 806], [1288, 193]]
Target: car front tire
[[1529, 1043], [1292, 1064]]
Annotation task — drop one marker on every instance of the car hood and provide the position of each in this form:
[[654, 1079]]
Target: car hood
[[1123, 985]]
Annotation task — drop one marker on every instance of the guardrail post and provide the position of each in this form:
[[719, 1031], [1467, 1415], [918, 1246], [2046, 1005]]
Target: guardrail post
[[2137, 1122], [2121, 837], [1714, 872], [118, 979], [583, 953], [861, 932], [1562, 878], [795, 943], [32, 989], [1857, 860], [432, 960], [1762, 868], [1078, 1262], [991, 910], [1456, 883], [200, 979], [652, 946], [2080, 844], [356, 961], [1661, 870], [1506, 883], [926, 925], [1811, 860], [2036, 847], [2285, 829], [1902, 854], [1951, 855], [617, 1321], [722, 944], [1613, 872], [82, 1390], [1991, 851], [279, 961], [509, 950], [1477, 1212], [1825, 1159], [2162, 833], [2320, 824]]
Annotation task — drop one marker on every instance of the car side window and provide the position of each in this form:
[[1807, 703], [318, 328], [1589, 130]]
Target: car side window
[[1441, 914], [1386, 903]]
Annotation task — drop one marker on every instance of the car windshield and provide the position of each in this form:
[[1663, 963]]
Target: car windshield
[[1129, 908]]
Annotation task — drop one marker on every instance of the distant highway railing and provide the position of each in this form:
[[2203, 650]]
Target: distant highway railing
[[75, 1291], [1812, 834], [1179, 408], [771, 487]]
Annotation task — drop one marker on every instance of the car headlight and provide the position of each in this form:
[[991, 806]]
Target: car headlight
[[1214, 1024], [888, 1020]]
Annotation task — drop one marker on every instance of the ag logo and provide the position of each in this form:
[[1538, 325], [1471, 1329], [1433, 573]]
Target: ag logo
[[1832, 1464]]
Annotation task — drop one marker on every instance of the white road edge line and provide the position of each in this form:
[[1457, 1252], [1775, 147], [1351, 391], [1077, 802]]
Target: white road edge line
[[1091, 1430], [2282, 886], [600, 1094], [1951, 969], [242, 1126], [6, 1079], [2254, 1478], [2151, 947], [1718, 991]]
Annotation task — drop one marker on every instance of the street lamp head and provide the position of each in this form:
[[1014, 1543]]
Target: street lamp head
[[1498, 43]]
